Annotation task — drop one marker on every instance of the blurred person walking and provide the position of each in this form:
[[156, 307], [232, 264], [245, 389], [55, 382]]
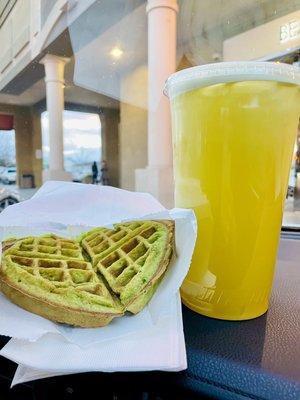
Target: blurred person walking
[[104, 173], [94, 172]]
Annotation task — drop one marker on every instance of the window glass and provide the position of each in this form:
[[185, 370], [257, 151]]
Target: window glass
[[115, 57], [207, 31], [82, 143]]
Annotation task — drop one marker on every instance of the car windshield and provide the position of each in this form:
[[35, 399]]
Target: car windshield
[[81, 99]]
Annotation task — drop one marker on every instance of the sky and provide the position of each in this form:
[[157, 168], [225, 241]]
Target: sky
[[82, 138]]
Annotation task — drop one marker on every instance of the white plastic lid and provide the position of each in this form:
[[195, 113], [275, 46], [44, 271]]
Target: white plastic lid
[[235, 71]]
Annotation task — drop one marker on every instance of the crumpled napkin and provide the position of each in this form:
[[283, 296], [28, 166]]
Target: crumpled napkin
[[153, 339]]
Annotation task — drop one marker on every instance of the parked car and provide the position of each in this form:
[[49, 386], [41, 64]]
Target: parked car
[[7, 198], [2, 170], [291, 184], [9, 175], [80, 172]]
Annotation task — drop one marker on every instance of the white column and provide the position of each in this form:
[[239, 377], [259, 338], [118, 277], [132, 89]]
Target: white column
[[54, 78], [157, 178]]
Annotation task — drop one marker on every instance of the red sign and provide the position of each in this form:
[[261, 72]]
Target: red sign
[[6, 122]]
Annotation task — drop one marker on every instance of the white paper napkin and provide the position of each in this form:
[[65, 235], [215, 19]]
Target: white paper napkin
[[44, 348], [74, 203], [25, 374], [135, 352]]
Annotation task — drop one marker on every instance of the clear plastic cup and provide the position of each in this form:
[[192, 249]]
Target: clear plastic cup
[[234, 126]]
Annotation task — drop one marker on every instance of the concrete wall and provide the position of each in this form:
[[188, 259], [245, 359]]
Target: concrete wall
[[28, 139], [110, 143], [133, 143], [133, 126], [23, 135], [267, 40], [37, 161]]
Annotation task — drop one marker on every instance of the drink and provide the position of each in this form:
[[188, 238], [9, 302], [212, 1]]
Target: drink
[[233, 146]]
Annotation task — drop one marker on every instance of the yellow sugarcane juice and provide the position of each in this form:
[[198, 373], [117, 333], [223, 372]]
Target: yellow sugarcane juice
[[234, 127]]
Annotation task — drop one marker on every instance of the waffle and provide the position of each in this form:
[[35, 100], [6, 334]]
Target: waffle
[[48, 276], [47, 246], [89, 281], [132, 257]]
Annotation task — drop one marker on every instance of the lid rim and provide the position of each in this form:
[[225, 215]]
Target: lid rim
[[232, 71]]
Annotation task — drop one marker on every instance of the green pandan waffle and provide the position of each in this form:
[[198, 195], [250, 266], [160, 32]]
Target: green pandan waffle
[[89, 281], [47, 275], [47, 246], [131, 257]]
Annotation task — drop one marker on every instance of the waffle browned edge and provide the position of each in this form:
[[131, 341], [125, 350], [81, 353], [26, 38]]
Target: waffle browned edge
[[6, 244], [57, 313], [169, 251]]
